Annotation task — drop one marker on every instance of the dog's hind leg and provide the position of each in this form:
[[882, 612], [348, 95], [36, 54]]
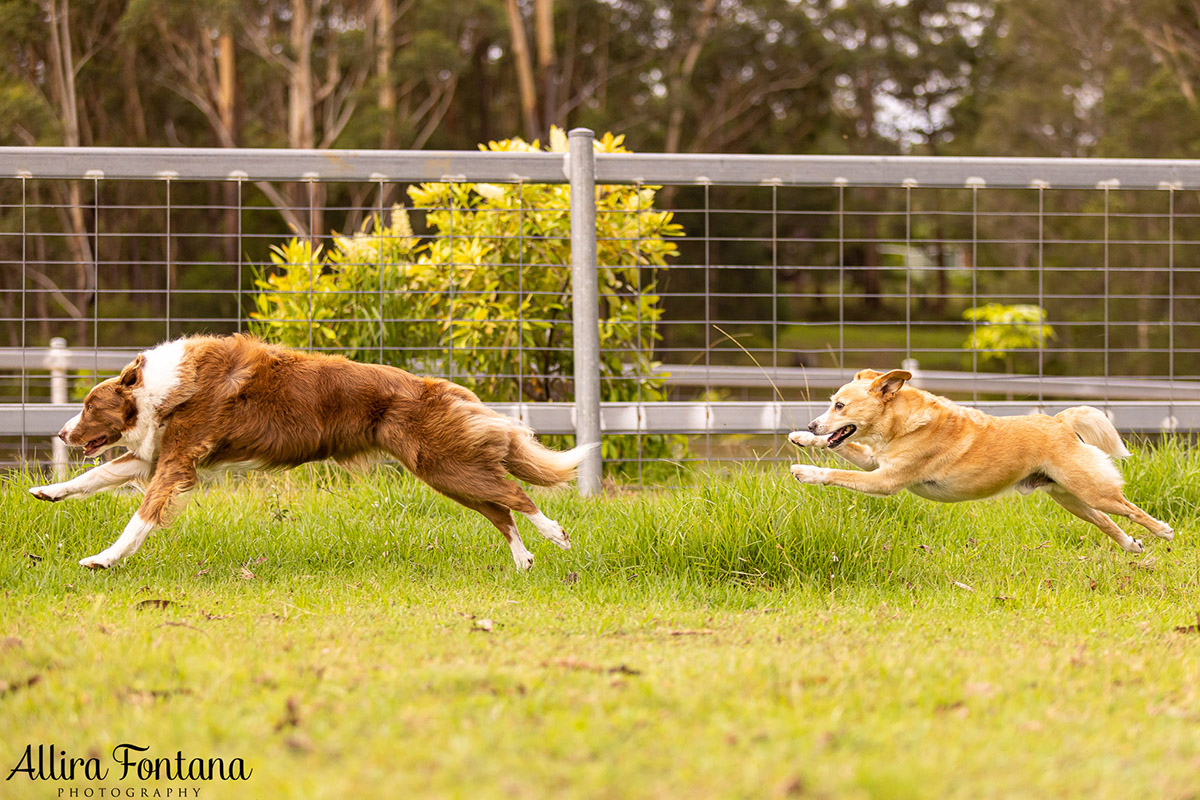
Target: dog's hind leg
[[481, 486], [510, 495], [1085, 512], [1156, 527], [1120, 506], [1101, 489], [502, 518]]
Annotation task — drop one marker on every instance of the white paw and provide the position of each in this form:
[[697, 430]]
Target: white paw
[[98, 561], [523, 560], [550, 529], [559, 536], [1133, 546], [807, 473], [1166, 534], [53, 493], [806, 439]]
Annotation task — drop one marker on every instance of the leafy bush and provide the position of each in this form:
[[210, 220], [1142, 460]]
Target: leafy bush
[[1004, 329], [485, 296]]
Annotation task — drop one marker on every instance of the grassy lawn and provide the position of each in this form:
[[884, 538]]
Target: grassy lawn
[[739, 637]]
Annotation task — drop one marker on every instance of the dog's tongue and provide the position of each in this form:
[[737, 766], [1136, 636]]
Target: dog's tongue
[[840, 435]]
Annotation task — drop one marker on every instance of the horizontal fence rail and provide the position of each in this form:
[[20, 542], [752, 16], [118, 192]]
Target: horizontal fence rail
[[911, 171], [722, 326], [263, 164], [685, 417], [46, 419], [220, 164], [788, 379]]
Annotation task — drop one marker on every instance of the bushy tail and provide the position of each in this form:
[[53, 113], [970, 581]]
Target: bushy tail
[[1093, 427], [530, 461]]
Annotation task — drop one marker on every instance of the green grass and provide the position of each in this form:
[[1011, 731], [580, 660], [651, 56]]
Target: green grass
[[742, 636]]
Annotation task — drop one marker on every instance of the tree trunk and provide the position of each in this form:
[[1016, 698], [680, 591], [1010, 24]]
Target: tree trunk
[[134, 111], [227, 76], [307, 201], [683, 76], [385, 48], [62, 67], [544, 21], [226, 111], [520, 51], [943, 270], [869, 275], [479, 64], [301, 133]]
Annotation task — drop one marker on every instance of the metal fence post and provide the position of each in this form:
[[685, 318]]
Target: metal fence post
[[57, 361], [585, 307]]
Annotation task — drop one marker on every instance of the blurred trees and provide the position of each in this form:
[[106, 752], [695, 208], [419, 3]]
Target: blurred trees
[[1023, 77], [698, 76], [1032, 77]]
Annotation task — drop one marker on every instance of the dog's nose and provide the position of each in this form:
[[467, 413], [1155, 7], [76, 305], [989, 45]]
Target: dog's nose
[[812, 426], [63, 434]]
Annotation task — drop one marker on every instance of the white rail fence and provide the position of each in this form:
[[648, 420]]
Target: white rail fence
[[1124, 398], [919, 198]]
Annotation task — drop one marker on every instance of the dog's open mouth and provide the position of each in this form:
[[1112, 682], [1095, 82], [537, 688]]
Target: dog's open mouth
[[94, 446], [840, 435]]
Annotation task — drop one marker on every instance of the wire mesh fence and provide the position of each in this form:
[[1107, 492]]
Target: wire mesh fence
[[733, 292]]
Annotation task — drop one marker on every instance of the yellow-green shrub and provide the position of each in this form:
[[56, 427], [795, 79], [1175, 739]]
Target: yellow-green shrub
[[486, 292]]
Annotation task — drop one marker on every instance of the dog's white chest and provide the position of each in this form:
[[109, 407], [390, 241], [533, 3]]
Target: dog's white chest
[[160, 377]]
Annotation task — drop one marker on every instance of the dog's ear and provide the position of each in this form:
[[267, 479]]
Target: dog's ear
[[887, 385], [132, 374], [866, 374]]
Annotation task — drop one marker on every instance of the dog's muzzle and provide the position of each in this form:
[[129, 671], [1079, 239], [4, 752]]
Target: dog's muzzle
[[840, 435]]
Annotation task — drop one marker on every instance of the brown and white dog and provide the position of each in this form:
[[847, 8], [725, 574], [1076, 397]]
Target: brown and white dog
[[909, 439], [235, 402]]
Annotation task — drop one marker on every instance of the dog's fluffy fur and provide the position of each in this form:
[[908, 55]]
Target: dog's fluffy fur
[[210, 402], [909, 439]]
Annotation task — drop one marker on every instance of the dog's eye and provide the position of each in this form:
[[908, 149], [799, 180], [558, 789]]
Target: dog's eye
[[89, 406], [838, 406]]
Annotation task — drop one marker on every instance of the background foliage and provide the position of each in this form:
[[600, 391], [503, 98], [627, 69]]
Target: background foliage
[[1002, 329], [1022, 77], [489, 284]]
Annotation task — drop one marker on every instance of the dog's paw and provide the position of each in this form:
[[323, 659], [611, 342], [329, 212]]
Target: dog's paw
[[1166, 534], [560, 537], [98, 561], [50, 493], [551, 530], [807, 473], [806, 439], [521, 555], [557, 534], [1133, 546]]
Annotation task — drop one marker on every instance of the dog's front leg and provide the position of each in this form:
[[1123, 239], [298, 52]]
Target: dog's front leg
[[171, 481], [879, 482], [117, 472], [126, 544], [858, 455], [806, 439]]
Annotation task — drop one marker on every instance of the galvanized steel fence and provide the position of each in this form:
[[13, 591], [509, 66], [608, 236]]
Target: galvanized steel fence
[[788, 274]]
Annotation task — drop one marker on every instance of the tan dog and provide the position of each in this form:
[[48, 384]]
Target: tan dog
[[910, 439]]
